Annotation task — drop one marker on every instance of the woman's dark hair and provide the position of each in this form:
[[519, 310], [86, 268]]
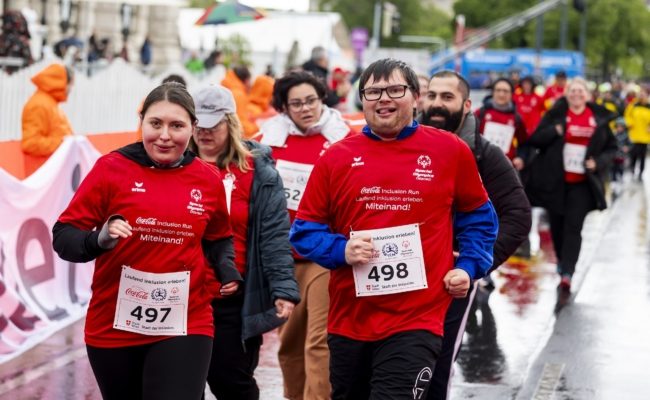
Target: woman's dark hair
[[383, 69], [242, 72], [283, 85], [172, 92], [175, 78], [507, 81]]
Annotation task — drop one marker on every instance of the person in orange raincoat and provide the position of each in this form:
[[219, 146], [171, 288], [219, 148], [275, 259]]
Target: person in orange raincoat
[[238, 81], [43, 122], [260, 98]]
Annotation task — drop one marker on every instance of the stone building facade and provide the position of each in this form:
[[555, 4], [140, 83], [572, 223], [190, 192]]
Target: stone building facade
[[156, 19]]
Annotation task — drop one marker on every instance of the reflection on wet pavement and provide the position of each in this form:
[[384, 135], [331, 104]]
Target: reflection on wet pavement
[[506, 325], [58, 369]]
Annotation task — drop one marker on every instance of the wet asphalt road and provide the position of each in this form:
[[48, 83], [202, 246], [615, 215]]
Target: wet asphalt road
[[523, 340]]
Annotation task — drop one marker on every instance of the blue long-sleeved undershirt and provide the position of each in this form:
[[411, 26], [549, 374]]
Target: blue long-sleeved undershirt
[[476, 232]]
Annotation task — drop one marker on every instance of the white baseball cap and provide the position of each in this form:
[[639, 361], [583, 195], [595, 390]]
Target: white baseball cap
[[212, 104]]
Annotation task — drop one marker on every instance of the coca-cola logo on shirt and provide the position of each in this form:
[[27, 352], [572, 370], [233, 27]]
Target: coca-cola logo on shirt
[[146, 221], [137, 292], [371, 190]]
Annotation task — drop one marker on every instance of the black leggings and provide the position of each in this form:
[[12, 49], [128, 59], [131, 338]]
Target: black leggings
[[170, 369], [232, 369], [637, 154], [566, 228]]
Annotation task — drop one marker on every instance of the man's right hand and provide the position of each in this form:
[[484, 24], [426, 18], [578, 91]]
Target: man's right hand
[[358, 250]]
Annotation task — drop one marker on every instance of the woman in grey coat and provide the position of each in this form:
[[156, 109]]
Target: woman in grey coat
[[260, 222]]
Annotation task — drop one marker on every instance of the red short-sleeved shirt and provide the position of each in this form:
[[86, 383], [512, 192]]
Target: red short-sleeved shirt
[[239, 210], [170, 211], [579, 130], [361, 183]]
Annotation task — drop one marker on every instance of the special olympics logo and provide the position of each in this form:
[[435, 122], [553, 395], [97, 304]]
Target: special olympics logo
[[406, 244], [390, 249], [159, 294], [196, 195], [302, 180], [424, 161]]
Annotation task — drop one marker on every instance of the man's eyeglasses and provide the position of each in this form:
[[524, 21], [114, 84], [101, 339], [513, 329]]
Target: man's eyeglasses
[[394, 92], [296, 105]]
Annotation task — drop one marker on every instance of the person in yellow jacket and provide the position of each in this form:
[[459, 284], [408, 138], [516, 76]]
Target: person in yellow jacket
[[637, 118], [43, 122], [238, 81]]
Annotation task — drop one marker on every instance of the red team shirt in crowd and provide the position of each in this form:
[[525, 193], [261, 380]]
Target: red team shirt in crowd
[[511, 131], [530, 107], [551, 94], [239, 208], [300, 149], [579, 129], [170, 211], [360, 184]]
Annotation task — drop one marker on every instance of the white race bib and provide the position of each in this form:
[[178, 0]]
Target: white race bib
[[499, 134], [574, 158], [294, 178], [397, 263], [152, 304]]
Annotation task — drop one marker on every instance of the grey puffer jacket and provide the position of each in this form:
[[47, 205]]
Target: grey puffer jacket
[[269, 261]]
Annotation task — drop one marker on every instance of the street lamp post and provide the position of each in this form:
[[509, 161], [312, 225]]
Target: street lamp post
[[583, 30], [126, 13], [65, 12]]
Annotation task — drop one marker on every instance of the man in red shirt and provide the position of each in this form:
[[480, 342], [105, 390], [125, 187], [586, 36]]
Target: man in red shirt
[[556, 90], [530, 105], [379, 210]]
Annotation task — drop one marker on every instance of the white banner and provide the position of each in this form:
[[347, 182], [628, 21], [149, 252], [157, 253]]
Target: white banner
[[39, 292]]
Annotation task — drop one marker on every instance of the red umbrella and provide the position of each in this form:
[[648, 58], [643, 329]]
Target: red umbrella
[[228, 12]]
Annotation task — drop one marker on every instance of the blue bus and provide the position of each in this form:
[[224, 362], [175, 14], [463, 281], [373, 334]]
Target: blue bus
[[480, 66]]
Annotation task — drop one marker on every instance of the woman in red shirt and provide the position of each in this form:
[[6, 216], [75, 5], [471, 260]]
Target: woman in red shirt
[[575, 147], [154, 218]]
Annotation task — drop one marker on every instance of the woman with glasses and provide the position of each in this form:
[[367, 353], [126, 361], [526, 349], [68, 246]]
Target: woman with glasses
[[299, 135], [500, 123], [260, 223]]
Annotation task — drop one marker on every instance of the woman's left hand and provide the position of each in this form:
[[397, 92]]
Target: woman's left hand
[[590, 164], [229, 288], [283, 308]]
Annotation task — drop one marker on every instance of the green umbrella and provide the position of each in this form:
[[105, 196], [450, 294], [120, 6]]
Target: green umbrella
[[228, 12]]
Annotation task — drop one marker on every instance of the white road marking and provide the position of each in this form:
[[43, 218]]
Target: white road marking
[[548, 381]]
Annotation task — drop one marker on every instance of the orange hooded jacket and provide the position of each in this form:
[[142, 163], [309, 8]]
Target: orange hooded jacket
[[260, 97], [44, 124], [242, 102]]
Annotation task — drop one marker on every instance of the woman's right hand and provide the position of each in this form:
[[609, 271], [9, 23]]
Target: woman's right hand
[[114, 229], [119, 228]]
